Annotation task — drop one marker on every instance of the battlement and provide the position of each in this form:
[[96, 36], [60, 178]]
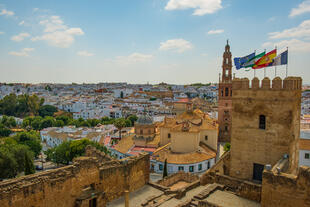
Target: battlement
[[289, 83]]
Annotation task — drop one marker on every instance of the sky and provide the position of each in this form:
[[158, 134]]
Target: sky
[[140, 41]]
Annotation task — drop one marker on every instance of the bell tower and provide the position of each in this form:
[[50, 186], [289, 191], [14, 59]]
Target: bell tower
[[224, 97]]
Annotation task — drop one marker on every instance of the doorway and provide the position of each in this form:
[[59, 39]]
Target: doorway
[[258, 171]]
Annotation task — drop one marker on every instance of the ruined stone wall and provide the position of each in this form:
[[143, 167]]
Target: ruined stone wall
[[221, 167], [286, 190], [180, 176], [280, 103], [86, 178]]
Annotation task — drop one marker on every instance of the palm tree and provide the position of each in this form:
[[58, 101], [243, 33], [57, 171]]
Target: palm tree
[[120, 123]]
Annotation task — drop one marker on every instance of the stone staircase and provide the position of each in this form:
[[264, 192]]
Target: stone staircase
[[202, 195]]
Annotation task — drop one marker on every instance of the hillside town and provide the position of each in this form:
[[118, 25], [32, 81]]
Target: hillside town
[[172, 103]]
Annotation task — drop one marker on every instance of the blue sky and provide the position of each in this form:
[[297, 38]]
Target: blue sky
[[139, 41]]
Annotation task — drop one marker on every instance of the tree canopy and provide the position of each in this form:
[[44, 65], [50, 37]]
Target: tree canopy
[[68, 150]]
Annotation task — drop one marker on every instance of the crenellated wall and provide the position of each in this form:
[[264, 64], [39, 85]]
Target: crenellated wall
[[289, 83], [76, 184], [286, 190], [280, 102]]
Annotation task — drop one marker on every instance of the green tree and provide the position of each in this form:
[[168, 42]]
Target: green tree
[[12, 158], [120, 123], [165, 172], [64, 118], [4, 131], [48, 121], [227, 147], [47, 110], [59, 123], [68, 150], [8, 121], [8, 105], [133, 119], [29, 166], [30, 139], [36, 123]]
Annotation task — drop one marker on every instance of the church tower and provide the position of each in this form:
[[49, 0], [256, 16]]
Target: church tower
[[224, 94]]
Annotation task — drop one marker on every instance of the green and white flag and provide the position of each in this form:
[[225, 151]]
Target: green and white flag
[[252, 61]]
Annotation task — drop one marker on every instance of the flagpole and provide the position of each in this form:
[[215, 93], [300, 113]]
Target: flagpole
[[265, 68], [275, 68], [287, 62], [252, 66]]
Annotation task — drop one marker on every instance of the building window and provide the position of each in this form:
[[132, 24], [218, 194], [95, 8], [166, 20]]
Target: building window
[[226, 92], [226, 128], [141, 131], [262, 122], [200, 167], [149, 131], [208, 164], [226, 112], [206, 137], [181, 168], [160, 166], [226, 60], [191, 168], [226, 72], [307, 156], [169, 135], [222, 93]]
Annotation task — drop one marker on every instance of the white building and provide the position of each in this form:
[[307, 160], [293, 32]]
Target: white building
[[304, 148]]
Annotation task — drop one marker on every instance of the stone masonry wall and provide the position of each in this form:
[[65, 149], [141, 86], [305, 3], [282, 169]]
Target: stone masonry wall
[[280, 102], [286, 190], [62, 187], [180, 176]]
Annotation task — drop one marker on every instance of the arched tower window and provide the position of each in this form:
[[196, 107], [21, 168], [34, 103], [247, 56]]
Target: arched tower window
[[141, 131], [222, 93], [226, 91], [262, 121], [226, 60]]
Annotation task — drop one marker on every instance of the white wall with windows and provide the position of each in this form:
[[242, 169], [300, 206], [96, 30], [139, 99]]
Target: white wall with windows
[[304, 157], [158, 167]]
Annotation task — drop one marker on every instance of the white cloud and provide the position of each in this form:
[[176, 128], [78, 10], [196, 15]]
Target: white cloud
[[20, 37], [21, 23], [204, 54], [218, 31], [179, 45], [6, 12], [134, 58], [293, 45], [35, 9], [304, 7], [201, 7], [1, 33], [302, 30], [23, 52], [57, 34], [84, 53]]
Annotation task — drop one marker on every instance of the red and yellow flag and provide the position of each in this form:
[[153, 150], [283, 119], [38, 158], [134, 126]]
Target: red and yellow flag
[[265, 60]]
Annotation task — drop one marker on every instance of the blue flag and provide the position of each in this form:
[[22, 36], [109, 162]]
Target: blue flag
[[280, 59], [240, 61]]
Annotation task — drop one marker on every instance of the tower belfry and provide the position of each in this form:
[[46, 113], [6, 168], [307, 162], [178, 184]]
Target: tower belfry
[[225, 100]]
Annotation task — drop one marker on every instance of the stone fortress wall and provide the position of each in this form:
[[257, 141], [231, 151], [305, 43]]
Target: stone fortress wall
[[75, 185], [280, 103], [282, 189]]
